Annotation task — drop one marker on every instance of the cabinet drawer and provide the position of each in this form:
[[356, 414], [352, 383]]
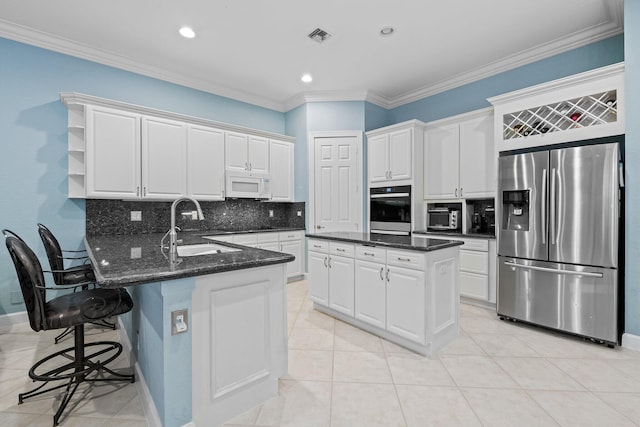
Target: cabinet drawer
[[246, 239], [341, 249], [267, 237], [474, 285], [317, 245], [368, 253], [408, 259], [475, 244], [474, 261], [290, 235]]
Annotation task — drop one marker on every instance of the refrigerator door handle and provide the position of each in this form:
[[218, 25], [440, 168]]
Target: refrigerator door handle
[[552, 210], [543, 210], [554, 270], [559, 207]]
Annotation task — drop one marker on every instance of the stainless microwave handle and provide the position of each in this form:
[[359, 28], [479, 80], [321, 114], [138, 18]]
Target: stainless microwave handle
[[388, 195], [554, 270]]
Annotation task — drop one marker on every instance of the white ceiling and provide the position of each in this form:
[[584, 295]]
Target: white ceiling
[[257, 50]]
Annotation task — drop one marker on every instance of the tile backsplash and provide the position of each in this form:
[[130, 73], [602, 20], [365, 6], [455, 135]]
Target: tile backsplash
[[114, 216]]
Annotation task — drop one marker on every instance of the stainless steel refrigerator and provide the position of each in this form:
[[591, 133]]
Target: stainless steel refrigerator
[[558, 231]]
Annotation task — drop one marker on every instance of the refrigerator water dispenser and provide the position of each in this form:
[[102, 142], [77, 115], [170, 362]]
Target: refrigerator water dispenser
[[515, 206]]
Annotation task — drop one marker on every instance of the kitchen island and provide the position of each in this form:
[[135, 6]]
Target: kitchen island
[[234, 347], [402, 288]]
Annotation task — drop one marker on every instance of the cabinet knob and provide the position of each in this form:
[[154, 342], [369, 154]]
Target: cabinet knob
[[319, 227]]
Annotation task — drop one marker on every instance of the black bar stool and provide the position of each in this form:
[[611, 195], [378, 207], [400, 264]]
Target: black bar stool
[[77, 275], [84, 362]]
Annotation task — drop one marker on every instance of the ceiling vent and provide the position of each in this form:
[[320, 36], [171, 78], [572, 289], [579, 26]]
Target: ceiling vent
[[319, 35]]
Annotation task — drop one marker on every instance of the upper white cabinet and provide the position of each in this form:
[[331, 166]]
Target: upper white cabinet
[[583, 106], [281, 167], [246, 153], [123, 151], [459, 158], [112, 154], [164, 146], [205, 163], [392, 152]]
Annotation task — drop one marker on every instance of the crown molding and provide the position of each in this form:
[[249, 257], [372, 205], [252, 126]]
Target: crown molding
[[68, 47], [334, 96], [610, 28]]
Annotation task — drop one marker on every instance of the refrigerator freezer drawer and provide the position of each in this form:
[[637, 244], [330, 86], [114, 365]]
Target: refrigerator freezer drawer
[[576, 299]]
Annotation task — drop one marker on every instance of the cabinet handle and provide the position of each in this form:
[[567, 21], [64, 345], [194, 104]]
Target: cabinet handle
[[138, 191], [246, 166], [250, 166], [144, 191], [369, 254], [390, 175], [381, 270], [456, 192], [325, 262], [388, 270], [329, 262], [317, 246], [460, 191], [404, 259], [340, 250]]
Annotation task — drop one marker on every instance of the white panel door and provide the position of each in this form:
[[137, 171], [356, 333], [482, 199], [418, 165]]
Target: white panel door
[[341, 289], [441, 162], [205, 163], [378, 154], [112, 154], [370, 293], [337, 192], [318, 277], [400, 154], [236, 147], [163, 158], [258, 154], [406, 303], [281, 167], [477, 159]]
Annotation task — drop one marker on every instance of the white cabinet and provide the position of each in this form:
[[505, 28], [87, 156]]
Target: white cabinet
[[205, 163], [246, 152], [164, 145], [112, 153], [406, 303], [459, 157], [391, 152], [406, 296], [281, 167]]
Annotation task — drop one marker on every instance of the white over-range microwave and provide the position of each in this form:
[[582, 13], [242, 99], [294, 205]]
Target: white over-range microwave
[[248, 185]]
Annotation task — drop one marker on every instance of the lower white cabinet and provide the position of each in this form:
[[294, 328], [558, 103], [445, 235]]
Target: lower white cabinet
[[408, 297], [406, 303], [288, 242]]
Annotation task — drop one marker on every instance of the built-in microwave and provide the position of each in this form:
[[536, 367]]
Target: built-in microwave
[[247, 185], [390, 210]]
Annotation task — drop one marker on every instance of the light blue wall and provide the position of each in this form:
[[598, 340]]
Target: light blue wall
[[632, 145], [474, 95], [329, 116], [296, 126], [33, 121]]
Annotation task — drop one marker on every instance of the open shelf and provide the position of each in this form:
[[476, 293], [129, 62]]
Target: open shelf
[[585, 111]]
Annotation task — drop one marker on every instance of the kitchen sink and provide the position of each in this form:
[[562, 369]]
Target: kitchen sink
[[204, 249]]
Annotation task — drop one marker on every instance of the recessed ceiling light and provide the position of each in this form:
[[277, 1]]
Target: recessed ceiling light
[[187, 32], [306, 78], [387, 31]]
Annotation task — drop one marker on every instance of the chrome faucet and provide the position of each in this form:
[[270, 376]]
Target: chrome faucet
[[173, 235]]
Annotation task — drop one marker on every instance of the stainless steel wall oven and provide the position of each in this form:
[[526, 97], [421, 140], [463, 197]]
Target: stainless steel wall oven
[[390, 210]]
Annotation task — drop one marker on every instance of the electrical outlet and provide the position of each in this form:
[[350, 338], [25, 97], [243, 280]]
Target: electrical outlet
[[179, 321], [299, 213], [270, 213], [136, 215], [136, 253]]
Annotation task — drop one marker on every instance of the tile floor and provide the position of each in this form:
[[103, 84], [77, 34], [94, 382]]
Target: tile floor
[[494, 374]]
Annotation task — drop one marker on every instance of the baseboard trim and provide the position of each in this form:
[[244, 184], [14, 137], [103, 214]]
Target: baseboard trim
[[14, 318], [149, 408], [630, 341]]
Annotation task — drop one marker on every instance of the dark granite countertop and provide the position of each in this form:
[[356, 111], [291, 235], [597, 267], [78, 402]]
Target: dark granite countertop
[[486, 236], [256, 230], [387, 240], [124, 260]]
